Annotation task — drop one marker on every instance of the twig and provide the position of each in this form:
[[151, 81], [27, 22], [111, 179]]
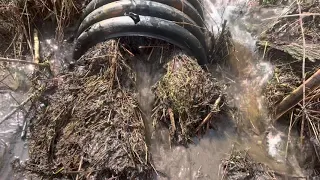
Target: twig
[[205, 120], [265, 49], [24, 130], [303, 71], [1, 82], [4, 77], [15, 109], [36, 47], [113, 66], [289, 136], [297, 95], [155, 170], [294, 15], [19, 61], [21, 108], [214, 109], [224, 26], [27, 34], [80, 165], [171, 116]]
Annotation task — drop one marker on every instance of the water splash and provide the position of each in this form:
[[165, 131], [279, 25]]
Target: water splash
[[248, 73]]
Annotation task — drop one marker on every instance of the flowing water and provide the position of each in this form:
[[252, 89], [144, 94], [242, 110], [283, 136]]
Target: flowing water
[[13, 146], [246, 76]]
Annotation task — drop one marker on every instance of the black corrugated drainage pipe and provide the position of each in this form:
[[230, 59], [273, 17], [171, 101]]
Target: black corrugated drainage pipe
[[191, 8], [161, 19]]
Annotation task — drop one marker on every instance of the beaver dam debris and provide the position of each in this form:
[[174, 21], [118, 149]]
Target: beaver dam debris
[[91, 120], [89, 123], [279, 91], [283, 83], [189, 99], [297, 143], [285, 34], [311, 87], [284, 91]]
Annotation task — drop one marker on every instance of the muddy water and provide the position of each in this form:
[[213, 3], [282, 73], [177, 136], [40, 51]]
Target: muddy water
[[11, 144], [147, 74], [247, 74]]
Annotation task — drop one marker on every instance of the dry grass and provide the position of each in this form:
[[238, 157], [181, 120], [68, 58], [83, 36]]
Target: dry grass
[[61, 12], [11, 30], [18, 18]]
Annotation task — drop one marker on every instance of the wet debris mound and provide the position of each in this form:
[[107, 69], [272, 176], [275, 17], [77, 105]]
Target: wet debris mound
[[285, 34], [283, 86], [87, 123], [284, 83], [240, 165], [188, 99]]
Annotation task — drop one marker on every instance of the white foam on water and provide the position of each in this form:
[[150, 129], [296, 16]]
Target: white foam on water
[[273, 141]]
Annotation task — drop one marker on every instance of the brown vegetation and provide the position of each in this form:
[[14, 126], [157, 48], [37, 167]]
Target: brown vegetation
[[87, 123]]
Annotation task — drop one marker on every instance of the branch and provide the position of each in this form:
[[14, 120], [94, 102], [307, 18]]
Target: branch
[[36, 47], [294, 15], [171, 116], [297, 95], [2, 59], [208, 117], [16, 109]]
